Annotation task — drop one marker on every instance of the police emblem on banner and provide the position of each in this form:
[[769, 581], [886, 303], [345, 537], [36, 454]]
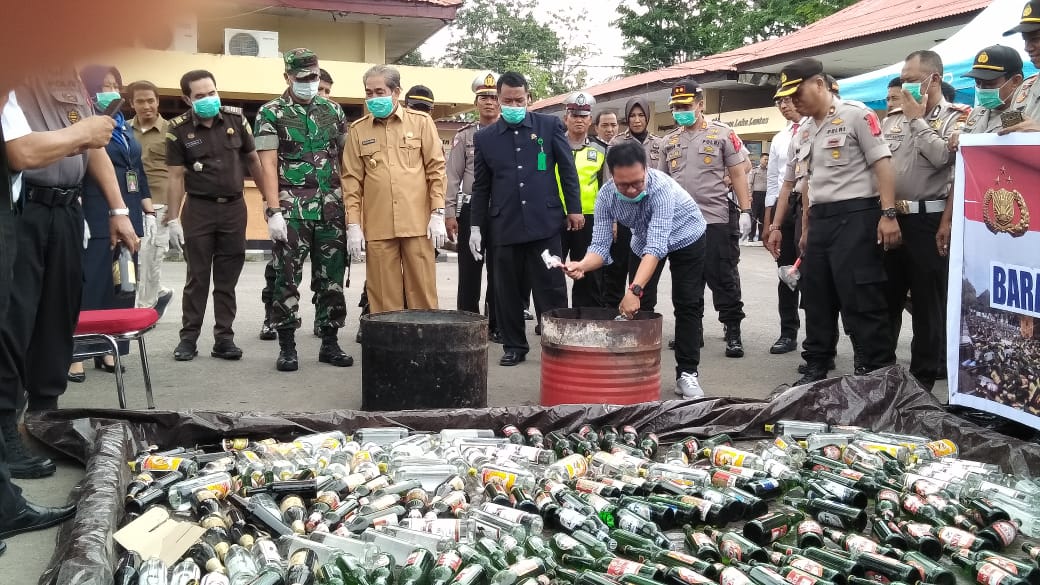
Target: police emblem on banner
[[1002, 204]]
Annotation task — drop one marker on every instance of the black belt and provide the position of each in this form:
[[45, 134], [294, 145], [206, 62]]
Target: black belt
[[214, 199], [841, 207], [53, 196]]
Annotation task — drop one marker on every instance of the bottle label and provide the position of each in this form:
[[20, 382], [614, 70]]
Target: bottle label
[[807, 565], [781, 444], [565, 542], [690, 577], [830, 519], [387, 520], [450, 559], [681, 557], [769, 484], [703, 540], [942, 448], [619, 566], [724, 479], [917, 565], [505, 478], [956, 537], [912, 503], [574, 465], [160, 463], [732, 576], [507, 513], [572, 520], [796, 577], [526, 567], [852, 474], [1006, 531], [731, 549], [588, 486], [857, 543], [412, 558], [1003, 563], [990, 574], [875, 576], [235, 444], [831, 452], [727, 456], [809, 527], [778, 533]]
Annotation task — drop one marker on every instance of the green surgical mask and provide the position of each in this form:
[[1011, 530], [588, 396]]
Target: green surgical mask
[[990, 98], [636, 199], [685, 118], [105, 98], [514, 114]]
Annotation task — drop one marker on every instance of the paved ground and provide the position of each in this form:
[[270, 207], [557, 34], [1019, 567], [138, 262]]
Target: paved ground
[[254, 384]]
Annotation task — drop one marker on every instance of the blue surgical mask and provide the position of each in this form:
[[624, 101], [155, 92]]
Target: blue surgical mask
[[914, 89], [207, 107], [380, 106], [514, 114], [105, 98], [305, 90], [685, 118], [636, 199]]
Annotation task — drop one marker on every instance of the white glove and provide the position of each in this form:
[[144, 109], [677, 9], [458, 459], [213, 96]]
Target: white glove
[[745, 225], [474, 243], [277, 229], [436, 231], [149, 226], [355, 240], [86, 234], [176, 234]]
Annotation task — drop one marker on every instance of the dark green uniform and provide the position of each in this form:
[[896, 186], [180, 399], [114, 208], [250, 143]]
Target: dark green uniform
[[309, 139]]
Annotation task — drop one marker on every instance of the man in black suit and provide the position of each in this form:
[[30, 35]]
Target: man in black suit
[[516, 163]]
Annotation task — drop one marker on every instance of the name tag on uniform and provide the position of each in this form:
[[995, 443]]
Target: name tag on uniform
[[835, 141], [593, 155], [367, 142], [131, 182]]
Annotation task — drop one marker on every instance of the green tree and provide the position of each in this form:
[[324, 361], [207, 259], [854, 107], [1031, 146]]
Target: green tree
[[661, 33], [503, 35], [414, 57]]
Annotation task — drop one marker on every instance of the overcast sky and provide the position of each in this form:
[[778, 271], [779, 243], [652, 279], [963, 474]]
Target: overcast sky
[[597, 13]]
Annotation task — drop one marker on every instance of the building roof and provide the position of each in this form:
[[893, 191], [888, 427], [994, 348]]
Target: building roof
[[844, 29]]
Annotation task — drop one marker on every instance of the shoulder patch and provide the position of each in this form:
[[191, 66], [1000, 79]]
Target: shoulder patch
[[717, 123], [177, 121], [360, 120], [232, 110]]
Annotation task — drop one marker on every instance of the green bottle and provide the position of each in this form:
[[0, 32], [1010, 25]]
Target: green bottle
[[593, 578], [1023, 570], [761, 573], [381, 572], [687, 576], [471, 556], [797, 576], [328, 574], [701, 545], [517, 572], [469, 575], [929, 570], [416, 567], [353, 572], [595, 546], [637, 580], [674, 558], [612, 566], [833, 560], [606, 511], [444, 570], [735, 547], [490, 549], [771, 527], [986, 573], [538, 547]]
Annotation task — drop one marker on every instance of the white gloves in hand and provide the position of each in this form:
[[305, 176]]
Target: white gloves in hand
[[355, 240], [745, 225], [436, 231], [277, 229], [149, 226], [176, 234], [474, 243]]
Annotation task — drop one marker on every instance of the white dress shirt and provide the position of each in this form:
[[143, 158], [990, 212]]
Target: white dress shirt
[[778, 153], [15, 126]]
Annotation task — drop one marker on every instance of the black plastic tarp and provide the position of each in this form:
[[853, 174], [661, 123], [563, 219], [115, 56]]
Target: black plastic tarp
[[106, 439]]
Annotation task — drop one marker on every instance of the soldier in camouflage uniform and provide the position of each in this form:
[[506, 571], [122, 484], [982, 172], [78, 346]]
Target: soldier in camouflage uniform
[[299, 137]]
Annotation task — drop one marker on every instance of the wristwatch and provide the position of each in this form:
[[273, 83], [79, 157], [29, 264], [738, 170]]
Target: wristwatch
[[890, 213], [272, 211], [745, 211], [636, 290], [438, 211]]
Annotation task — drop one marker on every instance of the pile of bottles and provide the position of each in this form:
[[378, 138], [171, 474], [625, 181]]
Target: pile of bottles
[[815, 505]]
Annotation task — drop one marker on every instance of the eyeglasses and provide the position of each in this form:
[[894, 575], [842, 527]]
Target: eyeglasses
[[637, 186], [784, 100]]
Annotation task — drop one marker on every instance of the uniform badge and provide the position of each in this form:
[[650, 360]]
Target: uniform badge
[[937, 123], [534, 136], [835, 154], [1001, 206], [230, 131], [709, 149], [1021, 98], [593, 155], [191, 135], [73, 116], [675, 163], [197, 166], [707, 160], [837, 121], [368, 141], [897, 129], [971, 121]]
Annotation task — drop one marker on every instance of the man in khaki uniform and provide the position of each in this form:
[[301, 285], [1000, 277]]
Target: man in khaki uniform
[[757, 183], [150, 131], [699, 155], [393, 167], [851, 221], [918, 138], [1027, 98]]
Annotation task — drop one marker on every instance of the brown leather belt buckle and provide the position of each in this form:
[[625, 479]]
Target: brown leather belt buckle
[[903, 207]]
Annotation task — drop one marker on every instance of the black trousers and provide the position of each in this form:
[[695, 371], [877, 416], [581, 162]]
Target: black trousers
[[515, 266], [917, 267], [471, 274], [787, 299], [843, 270], [214, 243], [47, 280], [687, 266], [10, 494], [587, 292], [758, 215], [722, 254], [615, 276]]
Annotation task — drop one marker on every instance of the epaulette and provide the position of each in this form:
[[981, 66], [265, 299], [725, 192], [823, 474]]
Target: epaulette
[[359, 120], [718, 123], [857, 104], [232, 110], [964, 109], [177, 121]]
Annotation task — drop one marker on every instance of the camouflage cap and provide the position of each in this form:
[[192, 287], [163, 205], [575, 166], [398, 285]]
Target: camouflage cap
[[301, 63]]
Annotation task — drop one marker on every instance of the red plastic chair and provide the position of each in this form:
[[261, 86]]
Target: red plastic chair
[[112, 326]]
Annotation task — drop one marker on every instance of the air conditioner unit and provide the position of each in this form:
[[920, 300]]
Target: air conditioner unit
[[250, 43], [182, 36]]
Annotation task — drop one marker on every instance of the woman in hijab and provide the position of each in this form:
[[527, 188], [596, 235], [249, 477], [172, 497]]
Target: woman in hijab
[[104, 85]]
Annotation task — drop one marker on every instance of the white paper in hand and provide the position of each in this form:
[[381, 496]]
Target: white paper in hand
[[551, 261]]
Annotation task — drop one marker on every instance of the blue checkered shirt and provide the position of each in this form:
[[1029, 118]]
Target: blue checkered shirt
[[666, 220]]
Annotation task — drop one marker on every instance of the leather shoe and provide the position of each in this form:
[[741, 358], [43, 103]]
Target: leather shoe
[[226, 349], [496, 337], [185, 351], [32, 517], [165, 296], [783, 345], [803, 368], [331, 353], [78, 378], [812, 374], [511, 358]]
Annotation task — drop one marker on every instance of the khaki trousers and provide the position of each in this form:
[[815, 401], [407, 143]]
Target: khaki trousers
[[401, 273]]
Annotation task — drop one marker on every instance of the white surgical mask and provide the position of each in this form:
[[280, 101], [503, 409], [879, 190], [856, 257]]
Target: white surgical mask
[[305, 90]]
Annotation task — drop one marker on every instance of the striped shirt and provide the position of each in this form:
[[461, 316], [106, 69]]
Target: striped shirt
[[666, 220]]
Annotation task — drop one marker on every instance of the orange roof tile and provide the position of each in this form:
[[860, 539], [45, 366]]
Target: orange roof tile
[[862, 19]]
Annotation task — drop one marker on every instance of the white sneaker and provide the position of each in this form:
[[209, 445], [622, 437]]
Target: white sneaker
[[689, 386]]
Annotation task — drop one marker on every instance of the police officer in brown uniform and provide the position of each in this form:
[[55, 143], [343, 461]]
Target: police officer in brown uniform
[[457, 204], [699, 155], [207, 151], [1027, 98], [851, 221], [918, 138]]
